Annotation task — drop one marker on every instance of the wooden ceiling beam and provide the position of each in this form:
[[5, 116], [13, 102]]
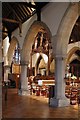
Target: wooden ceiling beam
[[20, 12], [25, 10], [10, 20], [14, 12], [4, 31], [29, 5]]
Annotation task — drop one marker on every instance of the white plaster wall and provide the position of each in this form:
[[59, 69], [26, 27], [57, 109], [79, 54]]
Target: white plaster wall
[[36, 56], [5, 49], [45, 57], [25, 27], [52, 15], [5, 46], [34, 59]]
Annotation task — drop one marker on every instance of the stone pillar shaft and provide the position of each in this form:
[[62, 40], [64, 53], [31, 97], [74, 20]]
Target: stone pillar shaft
[[59, 77], [6, 72], [59, 100], [24, 80]]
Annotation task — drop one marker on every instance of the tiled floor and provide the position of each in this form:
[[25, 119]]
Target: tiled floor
[[33, 107]]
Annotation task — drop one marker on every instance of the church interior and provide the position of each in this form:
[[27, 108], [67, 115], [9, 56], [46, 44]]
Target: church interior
[[36, 62]]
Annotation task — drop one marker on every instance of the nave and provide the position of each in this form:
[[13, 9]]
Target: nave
[[33, 107]]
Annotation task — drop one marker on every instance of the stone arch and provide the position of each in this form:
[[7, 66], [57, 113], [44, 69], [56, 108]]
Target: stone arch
[[70, 53], [43, 57], [36, 56], [65, 29], [76, 57], [31, 34], [34, 59], [39, 60], [11, 49], [52, 63], [60, 43]]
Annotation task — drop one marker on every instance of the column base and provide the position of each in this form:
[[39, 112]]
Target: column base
[[63, 102], [23, 92]]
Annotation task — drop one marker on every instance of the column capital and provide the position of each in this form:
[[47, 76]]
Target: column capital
[[24, 63], [60, 57], [7, 66]]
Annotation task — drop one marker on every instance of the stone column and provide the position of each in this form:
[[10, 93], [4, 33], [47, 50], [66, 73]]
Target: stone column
[[23, 90], [59, 100], [6, 72]]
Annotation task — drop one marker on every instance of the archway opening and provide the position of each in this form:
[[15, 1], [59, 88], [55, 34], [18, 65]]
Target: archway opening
[[14, 63], [40, 69], [75, 68], [73, 64]]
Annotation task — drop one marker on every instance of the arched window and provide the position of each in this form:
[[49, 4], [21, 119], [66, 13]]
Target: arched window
[[16, 55]]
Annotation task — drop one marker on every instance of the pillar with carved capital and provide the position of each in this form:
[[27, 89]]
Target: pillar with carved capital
[[59, 100], [24, 79]]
